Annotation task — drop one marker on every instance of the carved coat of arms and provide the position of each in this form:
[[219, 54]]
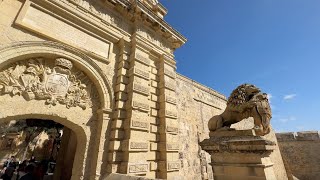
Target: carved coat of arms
[[33, 79], [58, 84]]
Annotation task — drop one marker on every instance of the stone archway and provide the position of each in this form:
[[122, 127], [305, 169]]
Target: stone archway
[[25, 50], [46, 80], [81, 149]]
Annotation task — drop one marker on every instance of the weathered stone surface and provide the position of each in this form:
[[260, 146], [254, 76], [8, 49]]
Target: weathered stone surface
[[245, 101], [115, 176], [275, 156], [94, 39], [193, 119], [139, 117], [39, 79], [240, 154], [300, 153]]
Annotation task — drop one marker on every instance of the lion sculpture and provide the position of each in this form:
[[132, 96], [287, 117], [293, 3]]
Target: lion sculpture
[[245, 101]]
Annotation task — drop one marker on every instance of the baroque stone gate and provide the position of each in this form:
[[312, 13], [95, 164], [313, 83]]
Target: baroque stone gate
[[105, 69]]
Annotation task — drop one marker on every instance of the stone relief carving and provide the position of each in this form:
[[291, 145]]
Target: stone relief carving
[[244, 102], [97, 9], [36, 79], [153, 38]]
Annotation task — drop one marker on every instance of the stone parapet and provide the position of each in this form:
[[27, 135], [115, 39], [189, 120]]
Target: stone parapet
[[299, 136], [202, 87], [300, 153]]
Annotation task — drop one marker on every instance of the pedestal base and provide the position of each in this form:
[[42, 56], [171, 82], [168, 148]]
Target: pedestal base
[[239, 155]]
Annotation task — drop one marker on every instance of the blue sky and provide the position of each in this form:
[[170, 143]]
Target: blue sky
[[274, 44]]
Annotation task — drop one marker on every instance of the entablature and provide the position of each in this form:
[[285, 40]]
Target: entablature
[[132, 21], [137, 10]]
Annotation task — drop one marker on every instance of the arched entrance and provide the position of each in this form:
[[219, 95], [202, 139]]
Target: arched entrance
[[49, 147], [71, 158], [45, 80]]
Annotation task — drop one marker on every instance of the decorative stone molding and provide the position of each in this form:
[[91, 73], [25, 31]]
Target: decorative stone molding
[[137, 10], [170, 73], [36, 79], [138, 146], [139, 125], [35, 14], [140, 105], [169, 84], [168, 113], [172, 146], [141, 89], [139, 57], [139, 72], [173, 166], [134, 10], [16, 51], [138, 168], [171, 99], [172, 130]]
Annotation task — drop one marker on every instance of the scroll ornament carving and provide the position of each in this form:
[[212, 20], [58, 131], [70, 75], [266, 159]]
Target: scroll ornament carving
[[34, 79]]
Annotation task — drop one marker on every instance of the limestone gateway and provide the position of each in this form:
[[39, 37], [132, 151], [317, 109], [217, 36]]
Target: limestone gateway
[[105, 70]]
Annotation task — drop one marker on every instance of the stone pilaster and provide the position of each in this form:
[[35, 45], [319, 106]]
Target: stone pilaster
[[135, 146], [239, 154], [168, 147], [100, 161], [117, 134]]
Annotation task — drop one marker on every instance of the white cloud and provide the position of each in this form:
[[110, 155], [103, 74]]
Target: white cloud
[[285, 120], [279, 130], [289, 96], [269, 97]]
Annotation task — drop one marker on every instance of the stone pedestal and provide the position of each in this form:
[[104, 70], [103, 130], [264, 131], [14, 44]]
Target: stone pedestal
[[239, 154]]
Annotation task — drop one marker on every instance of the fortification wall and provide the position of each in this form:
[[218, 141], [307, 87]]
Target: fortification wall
[[196, 105], [300, 153]]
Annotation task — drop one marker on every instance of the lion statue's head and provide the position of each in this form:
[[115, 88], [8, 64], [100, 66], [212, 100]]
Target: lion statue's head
[[242, 94]]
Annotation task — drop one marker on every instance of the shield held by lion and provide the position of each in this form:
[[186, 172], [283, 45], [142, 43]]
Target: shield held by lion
[[245, 101]]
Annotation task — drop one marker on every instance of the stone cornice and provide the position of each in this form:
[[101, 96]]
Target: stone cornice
[[135, 10]]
